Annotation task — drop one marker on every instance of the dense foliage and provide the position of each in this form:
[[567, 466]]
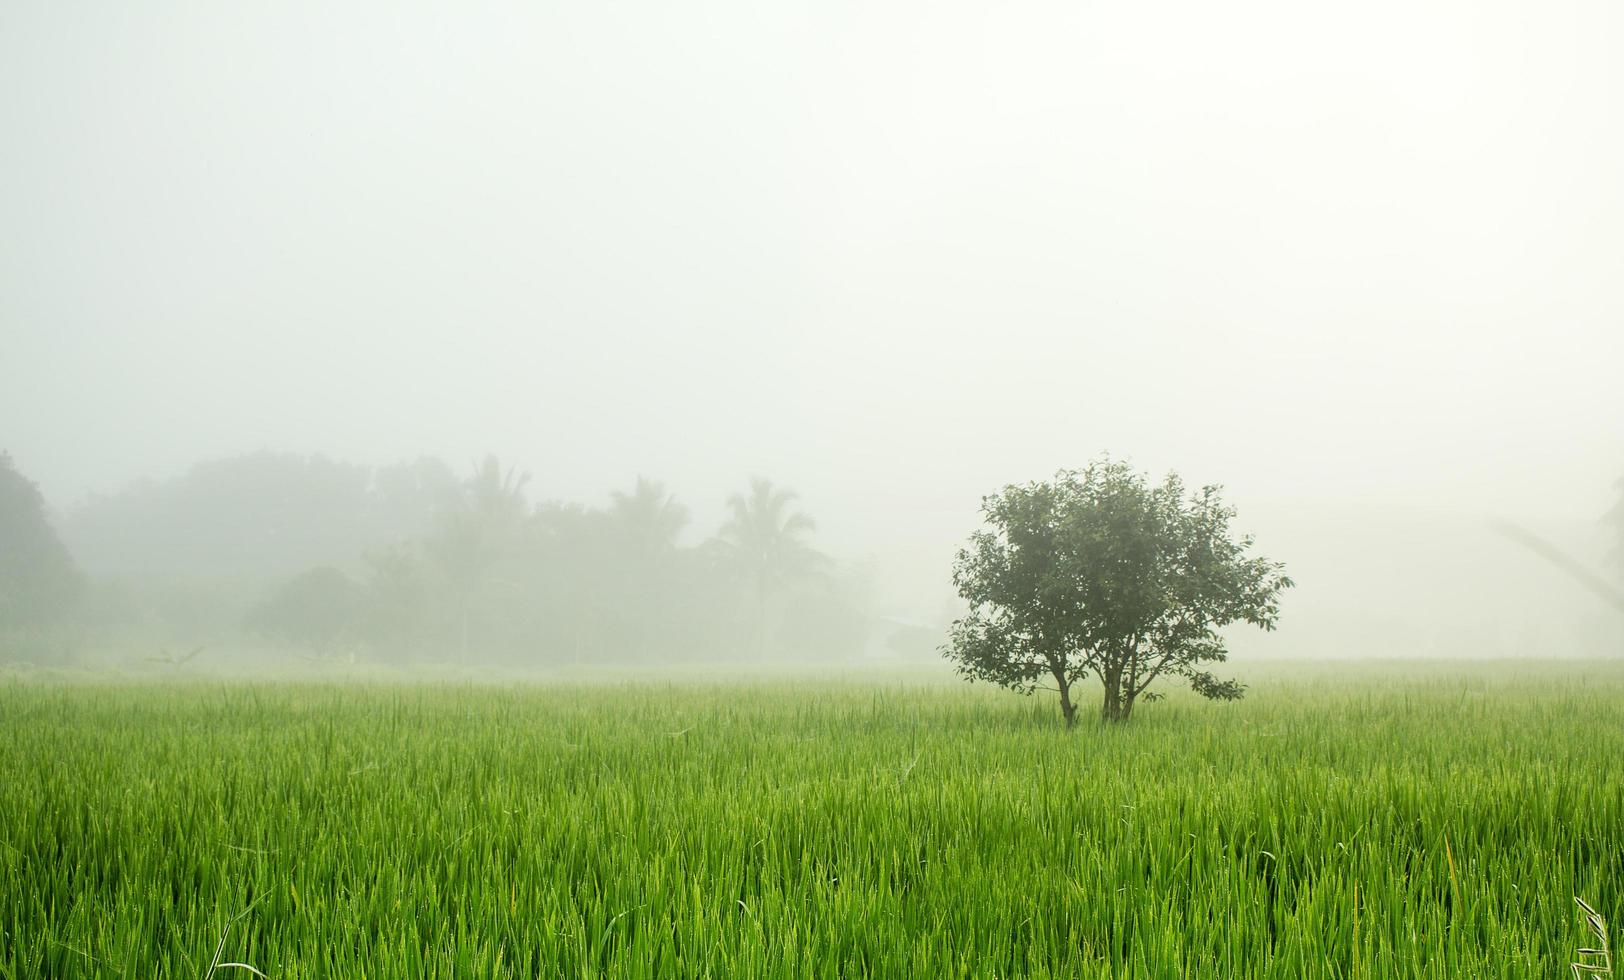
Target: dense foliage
[[1100, 573], [256, 515], [1330, 826], [311, 611], [338, 562], [39, 582]]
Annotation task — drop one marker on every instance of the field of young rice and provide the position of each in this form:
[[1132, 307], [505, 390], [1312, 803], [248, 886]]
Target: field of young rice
[[1433, 824]]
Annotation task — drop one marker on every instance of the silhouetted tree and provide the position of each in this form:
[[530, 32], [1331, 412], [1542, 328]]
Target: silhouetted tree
[[398, 602], [764, 541], [478, 528], [407, 498], [573, 597], [314, 610], [645, 524], [821, 615], [261, 516], [648, 519], [38, 578], [1098, 572], [1576, 570]]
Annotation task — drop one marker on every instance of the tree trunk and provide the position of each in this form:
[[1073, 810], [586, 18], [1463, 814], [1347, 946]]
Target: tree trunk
[[1117, 707], [762, 647], [462, 650], [1067, 709]]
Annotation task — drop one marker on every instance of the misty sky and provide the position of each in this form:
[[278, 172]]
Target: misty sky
[[892, 254]]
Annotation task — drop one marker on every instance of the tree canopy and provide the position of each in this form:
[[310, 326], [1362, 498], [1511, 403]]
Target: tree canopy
[[38, 578], [764, 542], [262, 514], [313, 610], [414, 562], [1101, 573]]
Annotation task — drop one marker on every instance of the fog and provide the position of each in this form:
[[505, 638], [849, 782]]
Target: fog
[[1359, 265]]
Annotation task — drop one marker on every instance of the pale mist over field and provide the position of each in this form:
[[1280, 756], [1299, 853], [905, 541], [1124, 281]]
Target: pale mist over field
[[1358, 264]]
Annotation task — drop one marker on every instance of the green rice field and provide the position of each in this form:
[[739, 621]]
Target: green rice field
[[1375, 821]]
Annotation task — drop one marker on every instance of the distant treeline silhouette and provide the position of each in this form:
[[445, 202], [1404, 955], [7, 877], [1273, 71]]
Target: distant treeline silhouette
[[412, 562]]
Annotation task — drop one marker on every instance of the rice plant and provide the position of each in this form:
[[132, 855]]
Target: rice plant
[[1423, 825], [1594, 963]]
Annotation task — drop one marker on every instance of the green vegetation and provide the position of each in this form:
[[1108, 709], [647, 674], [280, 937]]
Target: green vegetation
[[1100, 573], [1436, 823], [39, 583], [272, 558]]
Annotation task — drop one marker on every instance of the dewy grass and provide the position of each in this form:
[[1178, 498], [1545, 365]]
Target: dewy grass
[[1596, 962], [1417, 826]]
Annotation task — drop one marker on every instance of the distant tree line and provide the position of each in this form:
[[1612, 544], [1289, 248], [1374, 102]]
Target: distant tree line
[[494, 577], [40, 585], [256, 515], [412, 563]]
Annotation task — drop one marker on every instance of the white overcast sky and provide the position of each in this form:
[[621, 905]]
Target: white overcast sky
[[892, 254]]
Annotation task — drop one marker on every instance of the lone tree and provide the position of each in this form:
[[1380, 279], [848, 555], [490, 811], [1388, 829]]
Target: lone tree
[[1098, 572]]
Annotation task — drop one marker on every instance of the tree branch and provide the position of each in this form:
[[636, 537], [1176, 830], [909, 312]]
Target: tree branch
[[1154, 673]]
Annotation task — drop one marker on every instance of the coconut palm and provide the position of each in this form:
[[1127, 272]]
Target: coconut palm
[[643, 526], [478, 527], [648, 519], [1575, 569], [764, 540]]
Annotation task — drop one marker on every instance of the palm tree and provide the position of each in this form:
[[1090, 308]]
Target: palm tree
[[476, 528], [764, 540], [648, 519], [644, 525], [1574, 568]]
